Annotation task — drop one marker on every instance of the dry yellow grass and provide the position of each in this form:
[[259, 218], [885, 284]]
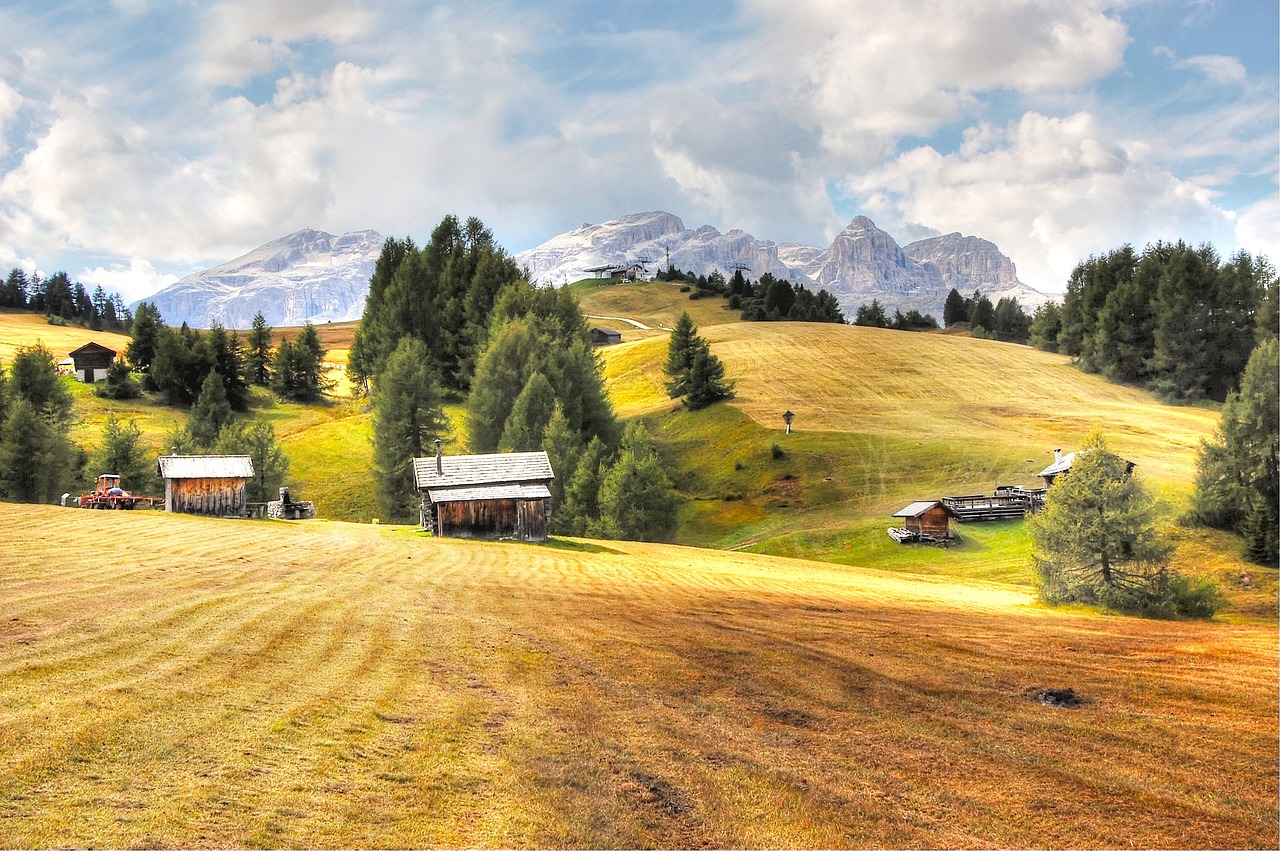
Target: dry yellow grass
[[179, 681], [925, 387], [18, 328]]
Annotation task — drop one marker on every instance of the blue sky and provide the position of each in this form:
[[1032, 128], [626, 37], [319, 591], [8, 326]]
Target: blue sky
[[141, 140]]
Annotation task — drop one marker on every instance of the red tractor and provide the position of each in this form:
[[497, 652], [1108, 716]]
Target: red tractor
[[107, 493]]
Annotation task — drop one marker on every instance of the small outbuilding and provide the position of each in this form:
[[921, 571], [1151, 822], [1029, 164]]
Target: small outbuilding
[[930, 520], [206, 484], [500, 496], [605, 337], [91, 361]]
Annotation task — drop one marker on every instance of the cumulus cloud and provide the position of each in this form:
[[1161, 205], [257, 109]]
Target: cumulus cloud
[[244, 38], [135, 281], [869, 71], [1049, 191]]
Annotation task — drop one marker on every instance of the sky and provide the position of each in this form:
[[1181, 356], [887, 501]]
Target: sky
[[142, 140]]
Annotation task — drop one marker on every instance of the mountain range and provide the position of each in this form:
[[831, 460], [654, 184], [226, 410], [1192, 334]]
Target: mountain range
[[862, 263], [318, 277]]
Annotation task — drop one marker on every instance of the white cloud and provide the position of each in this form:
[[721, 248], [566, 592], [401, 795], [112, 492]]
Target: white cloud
[[869, 71], [1048, 191], [244, 38], [137, 280], [1258, 228], [1219, 69]]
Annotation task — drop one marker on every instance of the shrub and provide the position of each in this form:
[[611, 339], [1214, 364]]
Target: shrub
[[777, 452]]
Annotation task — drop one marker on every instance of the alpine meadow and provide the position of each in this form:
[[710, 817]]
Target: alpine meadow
[[709, 639]]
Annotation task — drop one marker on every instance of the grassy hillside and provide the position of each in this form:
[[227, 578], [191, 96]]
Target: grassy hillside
[[19, 328], [182, 681], [883, 418]]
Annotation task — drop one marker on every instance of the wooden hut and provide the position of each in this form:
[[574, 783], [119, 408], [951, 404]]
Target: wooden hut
[[206, 484], [605, 336], [929, 520], [502, 496], [91, 361]]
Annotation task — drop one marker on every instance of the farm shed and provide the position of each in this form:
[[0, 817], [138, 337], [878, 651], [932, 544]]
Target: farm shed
[[605, 337], [206, 484], [928, 520], [506, 495], [1062, 465], [91, 361]]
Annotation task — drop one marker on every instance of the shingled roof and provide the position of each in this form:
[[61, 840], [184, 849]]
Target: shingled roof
[[206, 467], [462, 471]]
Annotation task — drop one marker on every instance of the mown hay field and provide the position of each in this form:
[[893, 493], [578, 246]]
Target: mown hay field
[[19, 328], [183, 681]]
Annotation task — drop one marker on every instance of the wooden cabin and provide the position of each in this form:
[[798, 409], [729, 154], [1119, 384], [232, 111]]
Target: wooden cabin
[[929, 520], [206, 484], [1061, 466], [605, 337], [90, 362], [501, 496]]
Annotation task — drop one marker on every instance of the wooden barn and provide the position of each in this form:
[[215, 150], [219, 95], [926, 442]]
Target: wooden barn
[[605, 336], [929, 520], [91, 361], [206, 484], [502, 496]]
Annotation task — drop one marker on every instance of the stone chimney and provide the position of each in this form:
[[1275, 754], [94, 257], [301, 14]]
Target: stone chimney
[[1057, 456], [439, 459]]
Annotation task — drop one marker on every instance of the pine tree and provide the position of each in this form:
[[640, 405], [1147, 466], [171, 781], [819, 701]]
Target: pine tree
[[120, 383], [529, 417], [705, 382], [144, 331], [581, 504], [1238, 473], [871, 315], [36, 458], [211, 411], [563, 447], [121, 452], [270, 463], [1046, 325], [1095, 541], [33, 376], [680, 351], [259, 353], [954, 309], [407, 418], [637, 499]]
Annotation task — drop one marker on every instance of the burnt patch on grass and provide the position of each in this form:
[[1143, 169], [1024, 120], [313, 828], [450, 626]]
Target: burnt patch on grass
[[658, 793], [1062, 698], [791, 717]]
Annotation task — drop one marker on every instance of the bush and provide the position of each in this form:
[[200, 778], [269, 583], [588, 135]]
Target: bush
[[56, 320], [777, 452]]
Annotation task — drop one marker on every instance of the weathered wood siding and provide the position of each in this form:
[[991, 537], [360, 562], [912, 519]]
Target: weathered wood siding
[[215, 497], [521, 519], [933, 522]]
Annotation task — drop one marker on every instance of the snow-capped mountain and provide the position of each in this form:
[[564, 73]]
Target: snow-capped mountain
[[861, 264], [306, 276]]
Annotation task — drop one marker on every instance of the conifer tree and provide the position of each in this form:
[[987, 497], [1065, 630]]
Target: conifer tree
[[408, 417], [954, 309], [581, 505], [122, 453], [257, 439], [1095, 540], [680, 351], [259, 354], [211, 411], [36, 458], [637, 499], [529, 417], [33, 376], [705, 382], [144, 333]]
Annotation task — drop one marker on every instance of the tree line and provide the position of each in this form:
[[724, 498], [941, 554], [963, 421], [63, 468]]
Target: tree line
[[1174, 319], [62, 300], [768, 299], [457, 322]]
